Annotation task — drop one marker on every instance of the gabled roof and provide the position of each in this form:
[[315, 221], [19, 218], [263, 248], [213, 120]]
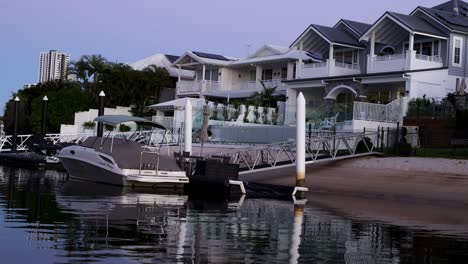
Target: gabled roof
[[338, 36], [275, 50], [358, 27], [332, 35], [416, 24], [445, 15], [163, 61], [410, 23]]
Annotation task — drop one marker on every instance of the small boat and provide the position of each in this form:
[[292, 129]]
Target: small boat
[[40, 153], [121, 160]]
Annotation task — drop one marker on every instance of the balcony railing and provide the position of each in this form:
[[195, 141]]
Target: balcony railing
[[398, 62], [248, 86], [429, 58], [347, 65], [389, 57], [197, 86], [188, 86], [315, 65]]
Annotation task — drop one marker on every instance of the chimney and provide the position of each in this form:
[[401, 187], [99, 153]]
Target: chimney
[[455, 7]]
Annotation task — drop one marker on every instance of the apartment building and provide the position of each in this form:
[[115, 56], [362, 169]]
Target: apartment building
[[53, 65]]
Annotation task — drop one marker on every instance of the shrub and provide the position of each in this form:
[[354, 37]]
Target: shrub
[[89, 125], [124, 128]]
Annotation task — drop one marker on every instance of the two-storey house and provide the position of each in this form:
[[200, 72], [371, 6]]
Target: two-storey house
[[218, 76], [399, 56]]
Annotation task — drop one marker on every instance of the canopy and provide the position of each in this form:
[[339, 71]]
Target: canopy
[[177, 104], [114, 120]]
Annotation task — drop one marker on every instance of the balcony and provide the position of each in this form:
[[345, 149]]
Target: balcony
[[252, 85], [328, 68], [196, 87], [402, 62]]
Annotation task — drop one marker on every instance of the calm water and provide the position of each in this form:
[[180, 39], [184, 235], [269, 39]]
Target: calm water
[[44, 219]]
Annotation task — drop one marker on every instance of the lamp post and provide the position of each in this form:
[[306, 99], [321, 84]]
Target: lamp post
[[15, 125], [100, 129], [44, 115]]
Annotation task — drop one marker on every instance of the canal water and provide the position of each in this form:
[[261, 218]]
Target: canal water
[[45, 218]]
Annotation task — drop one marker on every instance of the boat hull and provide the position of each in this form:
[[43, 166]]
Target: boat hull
[[90, 165], [89, 172]]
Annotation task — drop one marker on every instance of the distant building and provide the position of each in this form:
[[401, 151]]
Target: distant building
[[53, 65]]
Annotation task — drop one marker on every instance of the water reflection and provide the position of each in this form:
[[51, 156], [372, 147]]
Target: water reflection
[[56, 220]]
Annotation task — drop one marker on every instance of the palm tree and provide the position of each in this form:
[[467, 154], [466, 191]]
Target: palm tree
[[266, 96], [158, 78]]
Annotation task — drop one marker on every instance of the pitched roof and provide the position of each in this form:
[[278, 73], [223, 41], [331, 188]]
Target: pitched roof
[[359, 27], [210, 56], [448, 6], [416, 24], [161, 60], [444, 13], [171, 58], [337, 36]]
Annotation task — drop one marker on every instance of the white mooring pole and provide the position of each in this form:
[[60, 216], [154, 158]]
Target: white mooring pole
[[296, 234], [300, 146], [188, 127]]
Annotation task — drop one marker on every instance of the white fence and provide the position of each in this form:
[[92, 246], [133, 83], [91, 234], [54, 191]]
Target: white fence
[[391, 113]]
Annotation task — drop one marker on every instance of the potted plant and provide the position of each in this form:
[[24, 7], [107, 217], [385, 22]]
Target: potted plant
[[257, 114], [215, 111], [237, 108], [89, 125], [124, 128], [246, 114], [225, 112]]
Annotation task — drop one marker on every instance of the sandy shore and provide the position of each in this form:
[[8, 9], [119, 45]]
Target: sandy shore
[[427, 181]]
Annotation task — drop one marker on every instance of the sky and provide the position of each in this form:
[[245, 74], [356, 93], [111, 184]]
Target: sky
[[126, 31]]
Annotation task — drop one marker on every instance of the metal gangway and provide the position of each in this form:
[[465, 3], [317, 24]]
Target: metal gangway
[[322, 147]]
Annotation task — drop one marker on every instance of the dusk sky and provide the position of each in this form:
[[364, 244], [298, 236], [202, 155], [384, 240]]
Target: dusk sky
[[127, 31]]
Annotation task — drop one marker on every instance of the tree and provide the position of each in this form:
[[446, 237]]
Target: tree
[[158, 78], [266, 97]]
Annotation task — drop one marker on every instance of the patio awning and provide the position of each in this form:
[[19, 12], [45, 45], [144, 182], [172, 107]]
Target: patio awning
[[238, 94], [177, 104]]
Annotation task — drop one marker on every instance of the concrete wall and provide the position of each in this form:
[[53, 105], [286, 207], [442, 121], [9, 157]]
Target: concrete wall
[[86, 116]]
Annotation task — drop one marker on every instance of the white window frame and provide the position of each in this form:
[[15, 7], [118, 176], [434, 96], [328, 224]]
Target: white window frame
[[420, 42], [455, 38]]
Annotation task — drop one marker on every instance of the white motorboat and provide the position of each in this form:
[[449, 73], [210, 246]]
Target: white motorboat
[[120, 160]]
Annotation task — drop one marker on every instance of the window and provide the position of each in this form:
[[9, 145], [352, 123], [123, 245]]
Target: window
[[435, 50], [457, 51], [425, 47], [253, 75], [355, 57], [387, 51], [267, 74], [212, 74], [284, 73]]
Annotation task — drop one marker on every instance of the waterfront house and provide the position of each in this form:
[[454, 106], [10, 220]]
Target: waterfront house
[[218, 76], [369, 72]]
